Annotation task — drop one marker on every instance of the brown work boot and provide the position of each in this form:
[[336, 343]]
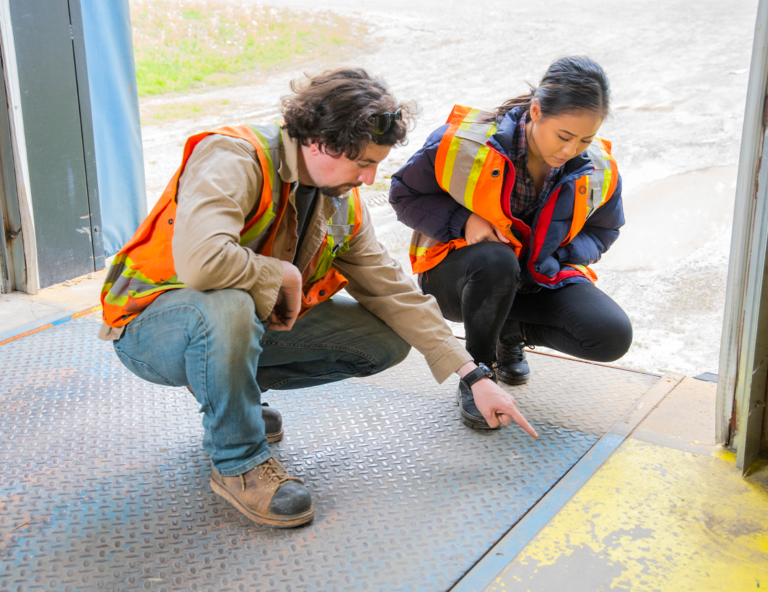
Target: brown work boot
[[267, 494]]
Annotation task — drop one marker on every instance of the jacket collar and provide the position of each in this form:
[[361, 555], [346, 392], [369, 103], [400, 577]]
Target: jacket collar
[[289, 159], [503, 139]]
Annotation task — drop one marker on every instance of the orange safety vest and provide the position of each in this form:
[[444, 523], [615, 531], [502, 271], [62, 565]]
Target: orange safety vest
[[144, 267], [472, 172]]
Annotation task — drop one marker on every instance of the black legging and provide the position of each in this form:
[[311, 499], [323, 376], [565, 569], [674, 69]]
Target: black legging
[[477, 285]]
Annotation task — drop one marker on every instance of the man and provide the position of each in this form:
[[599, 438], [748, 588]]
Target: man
[[225, 287]]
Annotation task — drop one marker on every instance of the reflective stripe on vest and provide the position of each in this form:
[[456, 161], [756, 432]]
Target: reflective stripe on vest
[[321, 281], [128, 282], [270, 138], [460, 165], [595, 189], [472, 173], [144, 267], [341, 227]]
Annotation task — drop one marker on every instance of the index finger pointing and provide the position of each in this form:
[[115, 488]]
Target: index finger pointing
[[523, 423], [513, 412]]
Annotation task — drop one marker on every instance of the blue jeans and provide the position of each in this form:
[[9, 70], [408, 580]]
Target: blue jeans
[[214, 343]]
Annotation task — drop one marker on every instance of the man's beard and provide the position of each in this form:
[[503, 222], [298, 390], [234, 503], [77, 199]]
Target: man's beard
[[338, 190]]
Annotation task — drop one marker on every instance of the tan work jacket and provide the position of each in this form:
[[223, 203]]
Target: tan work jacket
[[220, 187]]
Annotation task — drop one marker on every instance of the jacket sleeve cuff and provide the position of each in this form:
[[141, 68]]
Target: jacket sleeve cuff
[[267, 286], [107, 333], [456, 224], [447, 359]]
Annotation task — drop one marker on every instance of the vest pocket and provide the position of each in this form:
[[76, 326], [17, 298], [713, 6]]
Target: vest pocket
[[321, 290]]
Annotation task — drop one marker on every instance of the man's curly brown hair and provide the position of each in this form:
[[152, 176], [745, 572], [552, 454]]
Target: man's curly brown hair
[[334, 110]]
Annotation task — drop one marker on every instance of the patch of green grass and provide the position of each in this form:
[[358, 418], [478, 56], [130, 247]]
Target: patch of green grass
[[183, 44], [177, 112], [156, 114], [192, 15]]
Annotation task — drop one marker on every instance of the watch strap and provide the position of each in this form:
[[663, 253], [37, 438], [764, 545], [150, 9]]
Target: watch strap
[[482, 371]]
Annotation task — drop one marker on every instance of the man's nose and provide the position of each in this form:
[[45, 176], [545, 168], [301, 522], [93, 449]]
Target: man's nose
[[368, 175]]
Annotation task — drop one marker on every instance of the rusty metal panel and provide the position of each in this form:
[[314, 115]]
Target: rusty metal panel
[[14, 270], [743, 368], [105, 483]]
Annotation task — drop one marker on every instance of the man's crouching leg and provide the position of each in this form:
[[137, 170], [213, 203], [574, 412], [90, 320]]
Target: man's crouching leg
[[337, 339], [209, 341]]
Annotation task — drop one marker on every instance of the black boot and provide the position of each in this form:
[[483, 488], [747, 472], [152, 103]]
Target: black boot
[[273, 422], [470, 414], [511, 366]]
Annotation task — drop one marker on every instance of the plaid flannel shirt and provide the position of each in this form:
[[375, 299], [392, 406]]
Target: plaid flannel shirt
[[524, 200]]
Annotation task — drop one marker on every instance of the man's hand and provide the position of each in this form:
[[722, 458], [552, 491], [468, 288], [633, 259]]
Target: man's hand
[[498, 406], [477, 229], [494, 403], [288, 303]]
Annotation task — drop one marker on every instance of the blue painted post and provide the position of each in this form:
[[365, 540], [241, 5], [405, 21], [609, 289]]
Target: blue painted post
[[116, 124]]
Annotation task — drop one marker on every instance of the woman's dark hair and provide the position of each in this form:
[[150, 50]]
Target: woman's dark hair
[[335, 108], [571, 84]]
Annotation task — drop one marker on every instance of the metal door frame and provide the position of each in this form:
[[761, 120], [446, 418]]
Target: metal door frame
[[13, 266], [741, 389], [29, 280]]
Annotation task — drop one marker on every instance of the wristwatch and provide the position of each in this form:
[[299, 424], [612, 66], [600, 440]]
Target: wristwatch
[[482, 371]]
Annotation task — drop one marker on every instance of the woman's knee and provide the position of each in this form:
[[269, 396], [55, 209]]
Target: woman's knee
[[494, 262], [615, 338], [622, 339]]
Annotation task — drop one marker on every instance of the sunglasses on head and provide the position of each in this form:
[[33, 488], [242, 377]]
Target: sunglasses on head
[[382, 122]]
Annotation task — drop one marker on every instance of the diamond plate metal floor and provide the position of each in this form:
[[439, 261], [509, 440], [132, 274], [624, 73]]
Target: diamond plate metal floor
[[105, 483]]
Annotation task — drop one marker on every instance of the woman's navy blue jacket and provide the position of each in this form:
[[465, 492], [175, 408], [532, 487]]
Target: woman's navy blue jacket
[[421, 204]]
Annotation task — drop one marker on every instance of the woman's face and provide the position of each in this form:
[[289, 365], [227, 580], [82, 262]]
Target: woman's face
[[557, 140]]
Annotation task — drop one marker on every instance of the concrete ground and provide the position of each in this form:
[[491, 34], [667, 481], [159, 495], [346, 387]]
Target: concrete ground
[[21, 313]]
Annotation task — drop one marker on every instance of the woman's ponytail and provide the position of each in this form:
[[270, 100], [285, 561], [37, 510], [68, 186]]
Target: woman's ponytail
[[571, 84], [523, 101]]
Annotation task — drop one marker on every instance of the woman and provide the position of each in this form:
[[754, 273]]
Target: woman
[[509, 209]]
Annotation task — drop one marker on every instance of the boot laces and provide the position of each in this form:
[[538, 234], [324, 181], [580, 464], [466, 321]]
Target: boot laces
[[511, 353], [275, 473]]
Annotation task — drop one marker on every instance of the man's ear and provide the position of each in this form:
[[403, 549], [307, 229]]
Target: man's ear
[[315, 148]]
